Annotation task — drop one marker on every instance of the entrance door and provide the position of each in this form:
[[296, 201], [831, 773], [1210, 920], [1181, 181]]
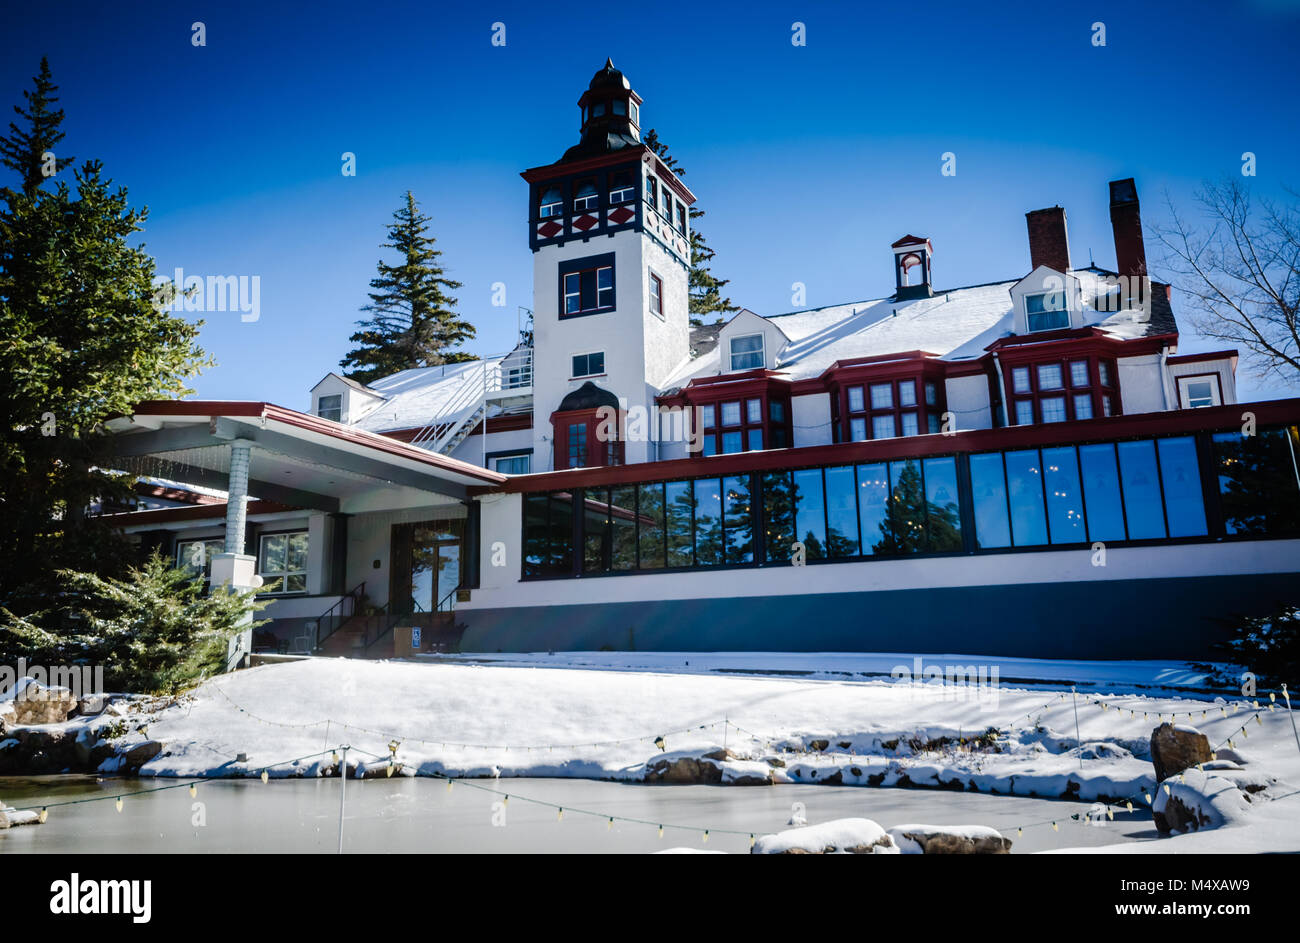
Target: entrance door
[[426, 564]]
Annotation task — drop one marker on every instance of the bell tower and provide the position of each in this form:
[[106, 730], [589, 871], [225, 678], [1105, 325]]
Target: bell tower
[[608, 224]]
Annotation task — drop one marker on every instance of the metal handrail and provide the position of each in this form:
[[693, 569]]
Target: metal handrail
[[511, 371], [354, 597], [448, 602]]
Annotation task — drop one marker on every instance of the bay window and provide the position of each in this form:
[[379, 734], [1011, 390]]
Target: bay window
[[1060, 390]]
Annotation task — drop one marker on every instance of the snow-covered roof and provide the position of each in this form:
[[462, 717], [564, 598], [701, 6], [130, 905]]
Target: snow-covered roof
[[415, 397], [958, 324]]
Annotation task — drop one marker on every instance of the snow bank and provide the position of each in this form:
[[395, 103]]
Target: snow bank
[[967, 839]]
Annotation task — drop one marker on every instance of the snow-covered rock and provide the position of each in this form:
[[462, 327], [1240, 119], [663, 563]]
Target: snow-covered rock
[[1198, 800], [840, 836], [949, 840]]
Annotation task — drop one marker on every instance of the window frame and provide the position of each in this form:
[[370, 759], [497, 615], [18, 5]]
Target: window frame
[[573, 363], [655, 294], [321, 408], [591, 266], [762, 352], [283, 575]]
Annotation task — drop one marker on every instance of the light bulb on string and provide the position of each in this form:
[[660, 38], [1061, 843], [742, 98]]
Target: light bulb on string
[[194, 790], [118, 803], [265, 777], [610, 824], [45, 814], [661, 831], [559, 815]]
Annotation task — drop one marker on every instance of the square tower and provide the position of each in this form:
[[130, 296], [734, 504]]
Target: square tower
[[609, 229]]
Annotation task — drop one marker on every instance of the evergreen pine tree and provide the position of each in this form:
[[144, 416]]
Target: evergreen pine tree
[[81, 339], [23, 151], [705, 287], [414, 321]]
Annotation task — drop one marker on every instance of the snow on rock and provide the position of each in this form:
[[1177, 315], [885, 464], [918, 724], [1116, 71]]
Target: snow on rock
[[1198, 800], [10, 817], [949, 840], [840, 836], [30, 702]]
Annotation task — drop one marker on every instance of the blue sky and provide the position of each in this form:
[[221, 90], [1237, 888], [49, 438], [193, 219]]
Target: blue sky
[[809, 161]]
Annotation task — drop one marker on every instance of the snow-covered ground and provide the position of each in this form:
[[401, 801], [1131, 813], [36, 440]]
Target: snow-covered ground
[[465, 719]]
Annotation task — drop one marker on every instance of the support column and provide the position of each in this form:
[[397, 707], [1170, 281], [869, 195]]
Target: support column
[[234, 570], [237, 496]]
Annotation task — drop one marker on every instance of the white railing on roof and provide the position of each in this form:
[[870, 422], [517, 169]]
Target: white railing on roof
[[496, 377]]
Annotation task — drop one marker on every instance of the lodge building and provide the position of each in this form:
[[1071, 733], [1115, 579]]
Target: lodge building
[[1020, 467]]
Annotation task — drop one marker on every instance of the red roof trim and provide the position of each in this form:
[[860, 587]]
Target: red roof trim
[[1178, 422], [373, 440], [1177, 359]]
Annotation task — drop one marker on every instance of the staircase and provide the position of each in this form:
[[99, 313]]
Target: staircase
[[499, 381]]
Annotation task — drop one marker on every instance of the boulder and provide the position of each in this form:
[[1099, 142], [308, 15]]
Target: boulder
[[1177, 748], [949, 840], [1198, 801], [35, 703], [687, 768], [138, 754], [837, 837]]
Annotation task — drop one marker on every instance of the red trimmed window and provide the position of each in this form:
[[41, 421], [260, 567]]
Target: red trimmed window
[[582, 439], [1062, 390], [889, 408], [748, 423]]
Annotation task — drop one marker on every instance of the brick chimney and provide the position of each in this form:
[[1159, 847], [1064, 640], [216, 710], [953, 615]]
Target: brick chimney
[[1126, 222], [1048, 244]]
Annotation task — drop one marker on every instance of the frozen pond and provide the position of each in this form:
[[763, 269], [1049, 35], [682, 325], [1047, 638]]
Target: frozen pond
[[420, 815]]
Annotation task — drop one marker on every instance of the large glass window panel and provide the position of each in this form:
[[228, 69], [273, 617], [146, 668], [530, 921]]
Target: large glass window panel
[[738, 520], [873, 509], [1025, 496], [622, 508], [1064, 496], [679, 512], [989, 491], [1137, 467], [841, 512], [560, 558], [907, 512], [810, 512], [1181, 475], [778, 515], [1257, 482], [535, 534], [708, 522], [1101, 492], [595, 530], [942, 512], [650, 529]]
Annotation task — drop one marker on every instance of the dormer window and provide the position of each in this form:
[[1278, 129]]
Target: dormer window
[[330, 407], [1046, 311], [747, 352], [587, 197], [552, 203]]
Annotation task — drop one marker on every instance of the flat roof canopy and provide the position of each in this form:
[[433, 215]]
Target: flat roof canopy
[[296, 459]]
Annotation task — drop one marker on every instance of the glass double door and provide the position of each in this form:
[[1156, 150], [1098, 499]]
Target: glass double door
[[427, 564]]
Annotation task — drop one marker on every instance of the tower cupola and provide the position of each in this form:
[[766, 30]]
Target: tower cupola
[[611, 115], [912, 267]]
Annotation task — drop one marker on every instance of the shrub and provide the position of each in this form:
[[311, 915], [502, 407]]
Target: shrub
[[154, 631]]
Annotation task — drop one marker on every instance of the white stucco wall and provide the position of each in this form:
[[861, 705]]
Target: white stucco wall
[[1141, 384], [968, 400], [811, 416]]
